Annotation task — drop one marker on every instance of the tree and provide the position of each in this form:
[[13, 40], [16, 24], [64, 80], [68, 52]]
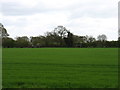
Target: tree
[[8, 42], [102, 38], [3, 31], [52, 39], [76, 40], [38, 41], [119, 41], [79, 41], [69, 40], [91, 39], [22, 42], [61, 31]]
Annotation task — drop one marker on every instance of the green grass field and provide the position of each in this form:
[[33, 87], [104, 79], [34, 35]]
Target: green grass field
[[60, 67]]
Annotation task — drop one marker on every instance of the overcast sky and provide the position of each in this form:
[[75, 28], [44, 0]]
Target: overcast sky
[[81, 17]]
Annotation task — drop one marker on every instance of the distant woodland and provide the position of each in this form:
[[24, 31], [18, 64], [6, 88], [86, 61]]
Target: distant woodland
[[59, 37]]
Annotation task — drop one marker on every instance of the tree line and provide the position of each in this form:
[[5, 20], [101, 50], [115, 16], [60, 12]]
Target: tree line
[[59, 37]]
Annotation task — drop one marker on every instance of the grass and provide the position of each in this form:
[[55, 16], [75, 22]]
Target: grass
[[60, 68]]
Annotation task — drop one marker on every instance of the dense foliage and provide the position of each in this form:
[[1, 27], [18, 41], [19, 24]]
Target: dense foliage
[[59, 37]]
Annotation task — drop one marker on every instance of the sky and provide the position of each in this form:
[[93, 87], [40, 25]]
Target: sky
[[81, 17]]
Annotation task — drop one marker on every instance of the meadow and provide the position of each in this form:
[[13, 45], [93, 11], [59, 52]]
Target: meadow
[[60, 67]]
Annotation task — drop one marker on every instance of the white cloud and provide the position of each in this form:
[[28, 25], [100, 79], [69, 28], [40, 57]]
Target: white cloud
[[82, 17], [94, 26]]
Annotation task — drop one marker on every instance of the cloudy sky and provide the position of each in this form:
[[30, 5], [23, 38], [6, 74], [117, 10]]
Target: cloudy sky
[[81, 17]]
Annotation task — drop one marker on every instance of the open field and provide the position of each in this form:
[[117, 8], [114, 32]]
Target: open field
[[60, 67]]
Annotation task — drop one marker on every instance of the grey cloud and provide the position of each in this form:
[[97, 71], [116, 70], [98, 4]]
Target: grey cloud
[[95, 14], [18, 22], [77, 10], [14, 9], [91, 10]]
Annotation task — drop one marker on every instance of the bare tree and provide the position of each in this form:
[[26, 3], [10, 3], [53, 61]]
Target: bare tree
[[3, 31], [102, 37], [61, 31]]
